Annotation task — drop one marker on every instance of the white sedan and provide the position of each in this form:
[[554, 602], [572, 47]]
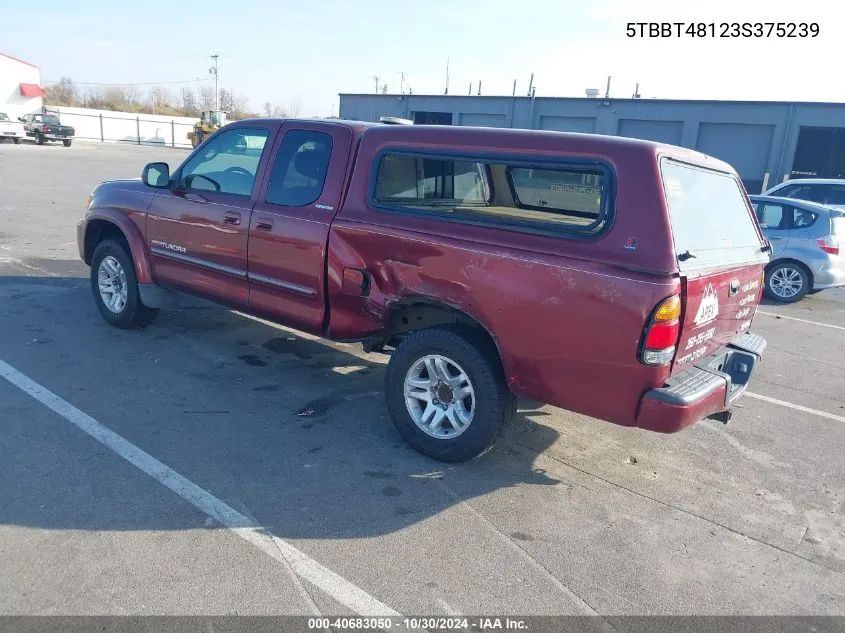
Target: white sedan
[[10, 129]]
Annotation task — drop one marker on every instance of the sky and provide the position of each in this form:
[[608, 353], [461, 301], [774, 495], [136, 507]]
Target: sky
[[307, 52]]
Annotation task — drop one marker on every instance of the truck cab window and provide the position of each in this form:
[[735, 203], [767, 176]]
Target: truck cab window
[[299, 172], [226, 163]]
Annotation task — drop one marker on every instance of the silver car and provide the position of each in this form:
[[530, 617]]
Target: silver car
[[827, 191], [805, 238]]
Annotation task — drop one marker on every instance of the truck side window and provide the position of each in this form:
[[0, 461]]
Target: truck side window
[[299, 171], [567, 198], [226, 163]]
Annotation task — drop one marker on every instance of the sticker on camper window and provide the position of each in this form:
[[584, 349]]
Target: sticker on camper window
[[674, 188]]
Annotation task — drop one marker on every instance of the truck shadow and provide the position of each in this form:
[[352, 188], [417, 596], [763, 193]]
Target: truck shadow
[[289, 430]]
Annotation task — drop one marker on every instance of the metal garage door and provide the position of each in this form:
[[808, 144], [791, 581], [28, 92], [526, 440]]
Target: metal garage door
[[568, 123], [659, 131], [744, 145], [482, 120]]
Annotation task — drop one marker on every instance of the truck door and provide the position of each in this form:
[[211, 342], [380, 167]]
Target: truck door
[[197, 229], [290, 223]]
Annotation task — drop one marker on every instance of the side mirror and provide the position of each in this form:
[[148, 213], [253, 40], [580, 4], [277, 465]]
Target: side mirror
[[156, 175], [21, 119]]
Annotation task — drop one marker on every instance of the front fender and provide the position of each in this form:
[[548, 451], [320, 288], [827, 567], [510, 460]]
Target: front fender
[[129, 224]]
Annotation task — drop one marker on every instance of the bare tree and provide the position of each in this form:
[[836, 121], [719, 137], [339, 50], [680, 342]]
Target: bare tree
[[206, 98], [133, 95], [114, 98], [62, 93], [227, 100], [294, 107], [189, 102], [159, 98]]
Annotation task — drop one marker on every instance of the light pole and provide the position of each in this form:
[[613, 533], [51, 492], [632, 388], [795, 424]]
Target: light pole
[[214, 71]]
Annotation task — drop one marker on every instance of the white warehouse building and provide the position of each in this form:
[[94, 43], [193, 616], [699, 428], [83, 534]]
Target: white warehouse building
[[20, 87]]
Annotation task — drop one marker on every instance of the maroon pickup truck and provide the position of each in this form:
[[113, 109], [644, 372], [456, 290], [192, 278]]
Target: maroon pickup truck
[[613, 277]]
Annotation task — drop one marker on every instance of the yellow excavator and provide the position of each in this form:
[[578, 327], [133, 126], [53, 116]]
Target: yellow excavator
[[209, 123]]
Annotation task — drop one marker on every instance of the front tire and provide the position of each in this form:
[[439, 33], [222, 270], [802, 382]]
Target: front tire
[[115, 287], [787, 282], [16, 141], [446, 393]]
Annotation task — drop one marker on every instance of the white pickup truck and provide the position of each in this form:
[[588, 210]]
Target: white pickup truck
[[11, 129]]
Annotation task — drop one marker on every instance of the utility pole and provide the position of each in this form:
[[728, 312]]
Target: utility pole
[[214, 71], [607, 91], [401, 83], [447, 76], [375, 79]]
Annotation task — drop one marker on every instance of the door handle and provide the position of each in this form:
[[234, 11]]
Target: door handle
[[264, 224], [734, 287], [232, 218]]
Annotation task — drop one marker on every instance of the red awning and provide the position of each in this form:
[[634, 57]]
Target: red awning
[[31, 90]]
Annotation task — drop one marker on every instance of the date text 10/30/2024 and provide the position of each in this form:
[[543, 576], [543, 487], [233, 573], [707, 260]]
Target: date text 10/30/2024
[[722, 29], [415, 624]]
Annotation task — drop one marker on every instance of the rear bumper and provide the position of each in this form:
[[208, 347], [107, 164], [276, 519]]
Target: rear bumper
[[829, 274], [710, 387]]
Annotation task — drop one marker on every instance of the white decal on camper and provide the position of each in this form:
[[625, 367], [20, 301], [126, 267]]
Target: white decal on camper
[[709, 308]]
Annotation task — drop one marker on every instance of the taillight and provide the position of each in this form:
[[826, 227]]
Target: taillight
[[660, 339], [45, 129], [72, 131], [829, 244]]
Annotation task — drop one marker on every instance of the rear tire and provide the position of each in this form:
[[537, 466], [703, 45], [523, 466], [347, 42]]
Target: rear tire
[[39, 139], [16, 141], [787, 282], [112, 267], [66, 143], [473, 363]]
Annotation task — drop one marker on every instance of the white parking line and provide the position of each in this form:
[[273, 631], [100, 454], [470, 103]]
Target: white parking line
[[780, 316], [797, 407], [307, 568]]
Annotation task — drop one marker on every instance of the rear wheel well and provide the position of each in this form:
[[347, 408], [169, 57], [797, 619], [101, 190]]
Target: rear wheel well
[[99, 230], [413, 316], [795, 262]]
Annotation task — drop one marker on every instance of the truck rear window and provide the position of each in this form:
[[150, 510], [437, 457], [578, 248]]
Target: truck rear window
[[554, 197], [711, 223]]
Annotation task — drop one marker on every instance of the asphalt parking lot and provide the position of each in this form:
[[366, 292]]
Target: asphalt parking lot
[[330, 513]]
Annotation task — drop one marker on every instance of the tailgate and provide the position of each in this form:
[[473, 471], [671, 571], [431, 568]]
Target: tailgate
[[720, 254], [719, 306]]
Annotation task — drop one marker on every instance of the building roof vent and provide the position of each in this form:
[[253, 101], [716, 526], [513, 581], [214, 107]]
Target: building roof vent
[[592, 93]]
